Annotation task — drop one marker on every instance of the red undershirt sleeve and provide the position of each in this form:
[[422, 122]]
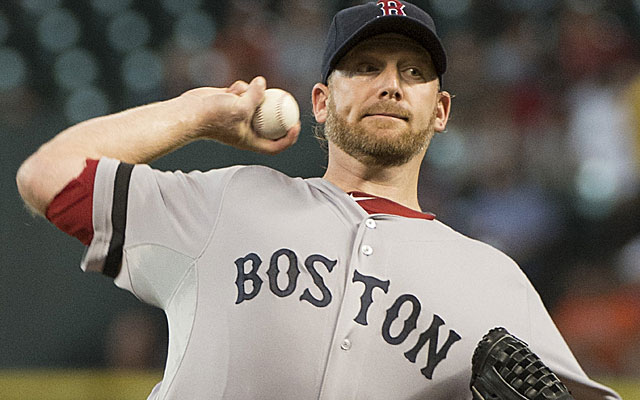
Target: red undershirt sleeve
[[72, 209]]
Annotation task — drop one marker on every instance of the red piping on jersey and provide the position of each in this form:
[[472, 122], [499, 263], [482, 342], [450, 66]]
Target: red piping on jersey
[[379, 205], [71, 210]]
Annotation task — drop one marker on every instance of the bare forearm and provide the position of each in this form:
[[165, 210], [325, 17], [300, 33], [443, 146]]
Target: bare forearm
[[137, 135], [145, 133]]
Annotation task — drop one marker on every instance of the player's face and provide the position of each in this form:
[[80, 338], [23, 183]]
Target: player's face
[[383, 103]]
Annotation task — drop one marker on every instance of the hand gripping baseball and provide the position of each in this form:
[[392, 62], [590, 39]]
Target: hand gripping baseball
[[225, 115]]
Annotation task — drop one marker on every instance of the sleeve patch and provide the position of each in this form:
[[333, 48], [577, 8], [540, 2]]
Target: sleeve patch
[[71, 209]]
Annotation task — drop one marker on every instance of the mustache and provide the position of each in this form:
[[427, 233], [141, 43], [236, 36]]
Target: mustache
[[386, 108]]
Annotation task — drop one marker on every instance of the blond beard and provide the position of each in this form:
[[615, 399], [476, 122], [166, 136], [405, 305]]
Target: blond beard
[[376, 150]]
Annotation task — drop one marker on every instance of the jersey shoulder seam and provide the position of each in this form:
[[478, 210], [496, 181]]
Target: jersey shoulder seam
[[218, 211], [132, 247]]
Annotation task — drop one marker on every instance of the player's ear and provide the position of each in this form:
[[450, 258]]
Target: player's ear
[[443, 108], [319, 98]]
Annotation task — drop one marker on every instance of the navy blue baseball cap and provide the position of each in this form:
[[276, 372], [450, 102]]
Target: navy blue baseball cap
[[354, 24]]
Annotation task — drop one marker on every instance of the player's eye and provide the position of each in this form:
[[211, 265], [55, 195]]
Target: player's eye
[[365, 68], [414, 73]]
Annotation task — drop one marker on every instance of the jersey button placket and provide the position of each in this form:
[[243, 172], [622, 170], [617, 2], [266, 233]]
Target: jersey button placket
[[347, 360], [366, 249]]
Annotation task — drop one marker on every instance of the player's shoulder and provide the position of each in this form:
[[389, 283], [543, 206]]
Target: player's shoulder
[[473, 248], [263, 182], [264, 177], [259, 172], [249, 175]]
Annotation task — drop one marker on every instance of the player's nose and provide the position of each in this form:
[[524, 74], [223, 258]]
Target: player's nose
[[389, 84]]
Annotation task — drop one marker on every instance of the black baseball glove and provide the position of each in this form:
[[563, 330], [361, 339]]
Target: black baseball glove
[[504, 368]]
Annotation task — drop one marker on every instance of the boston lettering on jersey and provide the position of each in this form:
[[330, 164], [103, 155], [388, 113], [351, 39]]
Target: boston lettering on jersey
[[249, 283]]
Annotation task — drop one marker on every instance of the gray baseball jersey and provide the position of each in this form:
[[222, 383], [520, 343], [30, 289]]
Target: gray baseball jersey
[[283, 288]]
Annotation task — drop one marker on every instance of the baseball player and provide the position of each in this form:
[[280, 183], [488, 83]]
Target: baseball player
[[338, 287]]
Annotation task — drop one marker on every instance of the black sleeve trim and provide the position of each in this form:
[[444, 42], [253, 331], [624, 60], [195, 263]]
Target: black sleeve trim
[[118, 220]]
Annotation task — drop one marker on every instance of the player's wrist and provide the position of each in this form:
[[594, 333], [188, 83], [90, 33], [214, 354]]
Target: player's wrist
[[191, 116], [206, 113]]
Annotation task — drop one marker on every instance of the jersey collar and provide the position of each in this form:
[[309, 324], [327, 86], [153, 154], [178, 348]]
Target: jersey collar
[[379, 205]]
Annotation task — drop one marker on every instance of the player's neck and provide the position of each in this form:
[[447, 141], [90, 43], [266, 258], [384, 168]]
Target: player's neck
[[399, 183]]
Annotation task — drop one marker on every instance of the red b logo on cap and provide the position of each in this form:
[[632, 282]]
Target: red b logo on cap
[[391, 7]]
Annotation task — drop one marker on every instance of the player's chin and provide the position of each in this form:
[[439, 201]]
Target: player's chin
[[384, 122]]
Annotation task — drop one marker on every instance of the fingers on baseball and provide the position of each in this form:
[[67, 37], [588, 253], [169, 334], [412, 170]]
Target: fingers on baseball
[[238, 87], [255, 91], [270, 146]]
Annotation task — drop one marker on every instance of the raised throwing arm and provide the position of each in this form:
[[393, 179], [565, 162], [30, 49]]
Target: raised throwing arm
[[142, 134]]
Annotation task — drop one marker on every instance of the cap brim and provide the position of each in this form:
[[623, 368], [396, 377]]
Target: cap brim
[[404, 25]]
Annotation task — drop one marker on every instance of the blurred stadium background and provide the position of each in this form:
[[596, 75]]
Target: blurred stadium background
[[541, 159]]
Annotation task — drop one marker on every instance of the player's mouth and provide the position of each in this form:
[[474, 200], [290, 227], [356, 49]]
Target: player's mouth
[[386, 110], [387, 115]]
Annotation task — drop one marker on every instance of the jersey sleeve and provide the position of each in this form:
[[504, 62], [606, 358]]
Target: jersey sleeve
[[149, 226], [71, 209], [547, 342]]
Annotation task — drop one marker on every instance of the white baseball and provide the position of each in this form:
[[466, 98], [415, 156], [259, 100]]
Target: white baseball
[[277, 113]]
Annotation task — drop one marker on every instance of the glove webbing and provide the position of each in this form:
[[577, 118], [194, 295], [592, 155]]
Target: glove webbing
[[505, 368]]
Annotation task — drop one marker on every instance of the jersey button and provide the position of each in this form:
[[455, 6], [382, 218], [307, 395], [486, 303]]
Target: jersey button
[[346, 345], [367, 250], [370, 223]]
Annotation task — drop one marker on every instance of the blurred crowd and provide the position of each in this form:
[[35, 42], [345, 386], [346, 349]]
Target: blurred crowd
[[541, 157], [542, 160]]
